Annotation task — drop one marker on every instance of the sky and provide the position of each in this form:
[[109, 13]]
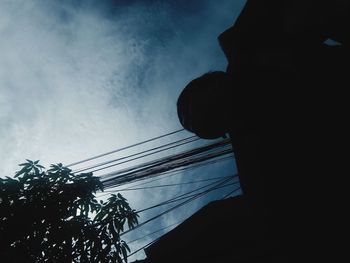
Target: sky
[[79, 78]]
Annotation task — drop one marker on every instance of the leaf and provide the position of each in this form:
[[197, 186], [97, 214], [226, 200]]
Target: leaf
[[36, 170], [125, 253], [126, 246], [10, 179], [22, 171], [113, 232], [121, 197], [49, 203], [86, 209]]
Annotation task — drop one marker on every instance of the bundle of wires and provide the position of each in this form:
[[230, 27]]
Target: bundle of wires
[[155, 160], [189, 158]]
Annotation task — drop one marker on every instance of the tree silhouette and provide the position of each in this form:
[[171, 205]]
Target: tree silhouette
[[53, 216]]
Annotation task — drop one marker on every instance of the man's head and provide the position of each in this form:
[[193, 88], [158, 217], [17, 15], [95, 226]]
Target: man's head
[[203, 105]]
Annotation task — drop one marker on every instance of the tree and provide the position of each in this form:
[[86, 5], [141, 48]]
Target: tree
[[53, 216]]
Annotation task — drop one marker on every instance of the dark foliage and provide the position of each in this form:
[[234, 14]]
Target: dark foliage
[[53, 216]]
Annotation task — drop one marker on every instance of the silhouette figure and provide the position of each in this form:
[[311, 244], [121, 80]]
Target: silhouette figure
[[275, 102]]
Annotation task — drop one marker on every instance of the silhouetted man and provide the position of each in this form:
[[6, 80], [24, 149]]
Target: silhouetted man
[[274, 101]]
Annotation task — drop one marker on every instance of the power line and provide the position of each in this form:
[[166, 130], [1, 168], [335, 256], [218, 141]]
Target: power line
[[188, 159], [163, 185], [158, 166], [230, 193], [190, 198], [188, 139], [173, 172], [154, 241], [179, 198], [151, 172], [184, 141], [218, 186], [184, 154], [124, 148], [154, 232], [145, 246]]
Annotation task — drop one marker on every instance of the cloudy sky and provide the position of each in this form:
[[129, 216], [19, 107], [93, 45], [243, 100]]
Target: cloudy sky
[[79, 78]]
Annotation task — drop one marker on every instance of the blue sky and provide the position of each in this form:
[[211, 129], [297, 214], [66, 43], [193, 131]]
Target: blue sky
[[79, 78]]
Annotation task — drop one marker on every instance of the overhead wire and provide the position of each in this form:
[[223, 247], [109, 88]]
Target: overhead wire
[[143, 247], [230, 193], [154, 241], [187, 153], [167, 174], [182, 161], [217, 179], [124, 148], [217, 186], [155, 232], [140, 175], [178, 198], [167, 163], [162, 185], [163, 147]]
